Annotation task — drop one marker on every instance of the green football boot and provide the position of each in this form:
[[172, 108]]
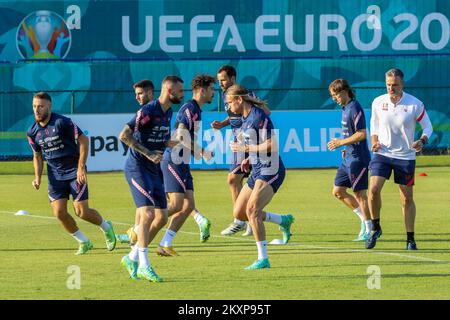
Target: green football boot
[[110, 237], [84, 247], [285, 227], [131, 266], [259, 264], [149, 274], [205, 227], [363, 235]]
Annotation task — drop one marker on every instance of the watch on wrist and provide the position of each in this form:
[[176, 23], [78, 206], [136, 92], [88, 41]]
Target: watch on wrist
[[423, 140]]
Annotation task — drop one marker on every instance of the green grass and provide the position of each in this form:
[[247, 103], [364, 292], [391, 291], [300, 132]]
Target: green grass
[[320, 262]]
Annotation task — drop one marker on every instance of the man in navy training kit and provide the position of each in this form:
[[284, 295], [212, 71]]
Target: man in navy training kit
[[226, 75], [148, 135], [353, 171], [256, 139], [63, 145], [178, 181]]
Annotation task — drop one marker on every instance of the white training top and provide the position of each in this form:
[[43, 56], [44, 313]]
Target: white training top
[[395, 125]]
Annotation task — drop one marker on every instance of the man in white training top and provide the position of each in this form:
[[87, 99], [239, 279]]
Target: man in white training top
[[392, 127]]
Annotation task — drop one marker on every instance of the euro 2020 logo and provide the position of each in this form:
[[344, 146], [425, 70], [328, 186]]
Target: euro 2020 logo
[[43, 35]]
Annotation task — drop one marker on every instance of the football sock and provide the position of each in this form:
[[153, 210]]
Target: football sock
[[105, 226], [376, 224], [143, 258], [198, 217], [166, 241], [368, 225], [239, 222], [134, 253], [273, 217], [410, 236], [79, 236], [358, 212], [262, 249]]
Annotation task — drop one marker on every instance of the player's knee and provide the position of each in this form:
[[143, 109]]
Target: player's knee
[[338, 194], [374, 191], [61, 214], [361, 196], [189, 208], [407, 200], [175, 206], [147, 216], [80, 212], [252, 211]]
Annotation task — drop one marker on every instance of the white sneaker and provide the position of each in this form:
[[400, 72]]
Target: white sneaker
[[233, 228], [248, 231]]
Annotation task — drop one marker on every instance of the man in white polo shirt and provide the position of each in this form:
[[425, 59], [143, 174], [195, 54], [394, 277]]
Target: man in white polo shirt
[[392, 126]]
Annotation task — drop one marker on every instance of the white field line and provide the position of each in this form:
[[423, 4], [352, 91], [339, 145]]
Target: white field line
[[406, 256]]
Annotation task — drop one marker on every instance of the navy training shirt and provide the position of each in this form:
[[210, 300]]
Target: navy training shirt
[[353, 119], [57, 141], [151, 128], [257, 128], [188, 115]]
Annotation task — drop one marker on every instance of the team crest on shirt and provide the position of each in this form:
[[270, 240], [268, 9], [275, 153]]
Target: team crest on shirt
[[385, 107]]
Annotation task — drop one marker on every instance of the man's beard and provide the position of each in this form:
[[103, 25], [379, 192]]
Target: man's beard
[[174, 99], [41, 117]]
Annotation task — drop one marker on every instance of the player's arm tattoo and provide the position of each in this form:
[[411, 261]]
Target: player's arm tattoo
[[126, 136]]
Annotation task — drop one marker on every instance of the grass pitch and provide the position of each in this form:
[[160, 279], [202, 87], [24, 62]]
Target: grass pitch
[[320, 262]]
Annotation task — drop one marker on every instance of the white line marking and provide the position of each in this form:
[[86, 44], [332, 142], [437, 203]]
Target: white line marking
[[289, 244]]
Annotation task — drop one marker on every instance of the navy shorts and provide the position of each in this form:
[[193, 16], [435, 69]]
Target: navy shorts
[[403, 169], [354, 174], [274, 180], [236, 169], [62, 189], [235, 166], [146, 188], [177, 177]]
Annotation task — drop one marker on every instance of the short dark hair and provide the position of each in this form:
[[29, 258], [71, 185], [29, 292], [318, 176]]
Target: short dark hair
[[229, 70], [144, 84], [202, 81], [43, 95], [394, 72], [172, 79], [339, 85]]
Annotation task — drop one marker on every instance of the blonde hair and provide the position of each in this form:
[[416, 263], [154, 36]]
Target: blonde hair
[[239, 91]]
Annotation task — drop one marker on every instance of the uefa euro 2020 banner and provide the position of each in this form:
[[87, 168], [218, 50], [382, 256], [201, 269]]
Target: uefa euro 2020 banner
[[215, 29], [286, 51]]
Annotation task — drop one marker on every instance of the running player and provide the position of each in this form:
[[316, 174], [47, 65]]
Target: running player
[[226, 75], [392, 127], [268, 172], [147, 135], [65, 148], [353, 171], [144, 91], [178, 180]]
